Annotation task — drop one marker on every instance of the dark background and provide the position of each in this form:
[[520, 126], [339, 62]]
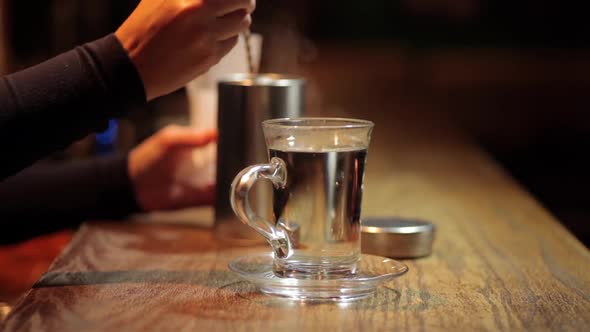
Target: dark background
[[514, 75]]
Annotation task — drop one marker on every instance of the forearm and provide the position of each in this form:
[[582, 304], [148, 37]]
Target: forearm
[[48, 197], [47, 107]]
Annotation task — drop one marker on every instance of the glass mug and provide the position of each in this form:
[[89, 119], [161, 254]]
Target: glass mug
[[317, 169]]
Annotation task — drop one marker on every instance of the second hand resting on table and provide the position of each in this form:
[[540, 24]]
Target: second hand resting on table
[[153, 168], [153, 176]]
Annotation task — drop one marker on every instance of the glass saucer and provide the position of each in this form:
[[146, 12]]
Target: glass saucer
[[371, 272]]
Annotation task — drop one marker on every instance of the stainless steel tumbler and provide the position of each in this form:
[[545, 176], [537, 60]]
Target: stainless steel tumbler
[[244, 101]]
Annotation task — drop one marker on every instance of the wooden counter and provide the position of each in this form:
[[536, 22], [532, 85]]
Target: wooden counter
[[500, 260]]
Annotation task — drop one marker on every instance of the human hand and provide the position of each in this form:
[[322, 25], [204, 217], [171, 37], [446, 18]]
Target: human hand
[[171, 42], [154, 168]]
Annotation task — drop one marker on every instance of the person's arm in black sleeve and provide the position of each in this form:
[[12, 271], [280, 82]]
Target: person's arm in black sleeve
[[46, 107], [51, 196]]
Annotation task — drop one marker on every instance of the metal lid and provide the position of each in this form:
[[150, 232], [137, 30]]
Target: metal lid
[[396, 237]]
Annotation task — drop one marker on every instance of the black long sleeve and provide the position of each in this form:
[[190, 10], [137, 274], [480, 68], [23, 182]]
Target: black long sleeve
[[46, 107], [54, 195]]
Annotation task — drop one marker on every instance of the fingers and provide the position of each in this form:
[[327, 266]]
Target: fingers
[[224, 46], [186, 137], [232, 24], [223, 7]]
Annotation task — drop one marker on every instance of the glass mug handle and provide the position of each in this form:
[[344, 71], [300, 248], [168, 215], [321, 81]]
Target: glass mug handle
[[276, 172]]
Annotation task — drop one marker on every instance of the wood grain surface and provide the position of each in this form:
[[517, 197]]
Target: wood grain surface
[[500, 260]]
